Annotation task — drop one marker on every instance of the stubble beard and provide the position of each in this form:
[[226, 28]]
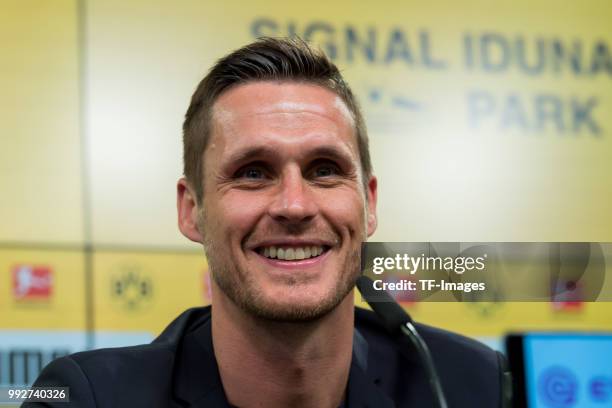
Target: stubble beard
[[242, 289]]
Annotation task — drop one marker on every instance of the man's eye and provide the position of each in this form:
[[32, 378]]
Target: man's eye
[[253, 173], [326, 170]]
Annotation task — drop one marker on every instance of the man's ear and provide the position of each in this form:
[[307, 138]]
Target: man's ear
[[372, 195], [187, 207]]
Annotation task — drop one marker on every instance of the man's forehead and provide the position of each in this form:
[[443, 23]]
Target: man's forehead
[[280, 98]]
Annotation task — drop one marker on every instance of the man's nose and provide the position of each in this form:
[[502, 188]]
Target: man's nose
[[294, 202]]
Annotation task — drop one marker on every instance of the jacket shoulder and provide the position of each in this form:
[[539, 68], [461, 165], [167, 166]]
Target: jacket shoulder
[[471, 373], [129, 363], [444, 342], [132, 376]]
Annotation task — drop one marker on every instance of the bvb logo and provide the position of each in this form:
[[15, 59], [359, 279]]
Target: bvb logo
[[131, 288], [485, 309], [486, 304]]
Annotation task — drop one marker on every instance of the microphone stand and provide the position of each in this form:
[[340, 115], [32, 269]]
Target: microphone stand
[[397, 320]]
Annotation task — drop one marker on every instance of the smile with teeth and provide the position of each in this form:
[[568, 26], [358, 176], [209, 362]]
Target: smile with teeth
[[291, 253]]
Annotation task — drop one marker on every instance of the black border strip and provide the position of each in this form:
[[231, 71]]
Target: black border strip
[[515, 352]]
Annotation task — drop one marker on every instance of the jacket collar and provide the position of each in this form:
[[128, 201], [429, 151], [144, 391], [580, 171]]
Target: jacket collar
[[196, 380], [362, 391]]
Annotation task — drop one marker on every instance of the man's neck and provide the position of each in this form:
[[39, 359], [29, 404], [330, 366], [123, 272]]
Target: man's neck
[[272, 364]]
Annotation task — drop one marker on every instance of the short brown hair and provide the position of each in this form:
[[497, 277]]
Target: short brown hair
[[267, 59]]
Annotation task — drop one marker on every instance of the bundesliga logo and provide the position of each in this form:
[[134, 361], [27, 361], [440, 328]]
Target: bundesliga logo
[[32, 282]]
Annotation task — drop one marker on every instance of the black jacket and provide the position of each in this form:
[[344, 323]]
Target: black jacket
[[179, 370]]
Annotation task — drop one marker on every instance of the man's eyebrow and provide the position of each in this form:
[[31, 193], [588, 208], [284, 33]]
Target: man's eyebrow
[[249, 153], [331, 152]]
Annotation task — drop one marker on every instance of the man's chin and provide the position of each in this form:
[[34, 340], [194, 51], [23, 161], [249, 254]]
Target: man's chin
[[280, 301], [292, 310], [289, 313]]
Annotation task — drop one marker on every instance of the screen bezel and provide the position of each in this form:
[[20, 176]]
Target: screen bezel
[[516, 361]]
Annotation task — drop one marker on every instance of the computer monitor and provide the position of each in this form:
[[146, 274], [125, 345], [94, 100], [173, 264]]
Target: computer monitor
[[561, 370]]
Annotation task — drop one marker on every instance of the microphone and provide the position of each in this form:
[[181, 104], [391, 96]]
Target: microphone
[[396, 321]]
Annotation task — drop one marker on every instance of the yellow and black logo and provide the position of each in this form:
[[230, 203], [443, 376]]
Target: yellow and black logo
[[131, 287]]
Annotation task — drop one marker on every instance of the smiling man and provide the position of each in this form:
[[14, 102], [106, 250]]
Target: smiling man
[[279, 190], [281, 203]]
